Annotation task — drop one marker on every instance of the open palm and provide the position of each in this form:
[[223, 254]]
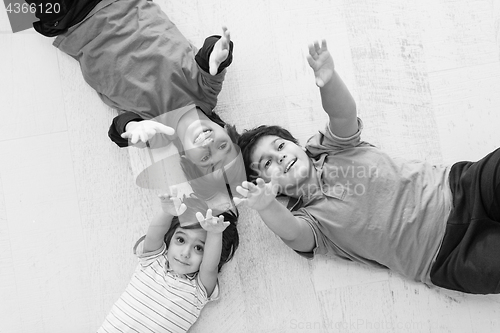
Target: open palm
[[257, 196], [321, 62]]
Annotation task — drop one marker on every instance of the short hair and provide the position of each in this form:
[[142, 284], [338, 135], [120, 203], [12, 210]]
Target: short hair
[[231, 129], [248, 141], [230, 236]]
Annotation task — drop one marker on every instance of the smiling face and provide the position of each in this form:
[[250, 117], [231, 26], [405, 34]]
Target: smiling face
[[208, 145], [286, 160], [185, 251], [205, 143]]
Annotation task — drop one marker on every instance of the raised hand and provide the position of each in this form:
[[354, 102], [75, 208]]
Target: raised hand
[[171, 204], [145, 130], [211, 223], [219, 52], [257, 196], [321, 62]]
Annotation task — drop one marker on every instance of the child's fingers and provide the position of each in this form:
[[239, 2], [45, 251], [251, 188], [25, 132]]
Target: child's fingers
[[248, 185], [134, 138], [239, 201], [260, 182], [143, 136], [209, 214], [311, 62], [226, 33], [182, 209], [317, 48], [225, 38], [312, 52], [323, 46], [199, 217], [242, 191], [174, 190], [220, 221]]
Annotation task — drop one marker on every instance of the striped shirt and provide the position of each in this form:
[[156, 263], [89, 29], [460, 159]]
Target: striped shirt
[[157, 299]]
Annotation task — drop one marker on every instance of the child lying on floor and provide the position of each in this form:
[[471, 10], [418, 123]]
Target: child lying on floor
[[163, 88], [178, 267], [435, 224]]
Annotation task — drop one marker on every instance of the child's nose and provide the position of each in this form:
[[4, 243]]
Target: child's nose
[[186, 253], [282, 158]]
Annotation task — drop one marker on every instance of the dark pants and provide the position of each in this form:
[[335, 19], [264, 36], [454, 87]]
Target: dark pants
[[469, 258], [57, 16]]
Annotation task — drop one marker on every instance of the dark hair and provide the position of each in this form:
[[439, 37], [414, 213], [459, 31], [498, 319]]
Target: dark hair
[[231, 129], [214, 117], [230, 236], [249, 139]]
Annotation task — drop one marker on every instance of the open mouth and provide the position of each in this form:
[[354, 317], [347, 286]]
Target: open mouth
[[290, 164], [204, 137]]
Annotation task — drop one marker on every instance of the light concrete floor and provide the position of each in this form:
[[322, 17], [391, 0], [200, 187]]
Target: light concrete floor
[[426, 77]]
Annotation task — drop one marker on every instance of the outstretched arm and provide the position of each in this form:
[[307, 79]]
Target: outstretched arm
[[337, 101], [171, 206], [128, 127], [216, 53], [294, 232], [143, 131], [209, 268], [220, 52]]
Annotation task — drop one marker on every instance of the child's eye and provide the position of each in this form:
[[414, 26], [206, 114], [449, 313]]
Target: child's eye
[[281, 146], [267, 164], [204, 158], [180, 240], [198, 248], [223, 146]]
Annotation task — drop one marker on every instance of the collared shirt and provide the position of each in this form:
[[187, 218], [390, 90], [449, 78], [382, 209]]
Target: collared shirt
[[157, 299], [374, 209]]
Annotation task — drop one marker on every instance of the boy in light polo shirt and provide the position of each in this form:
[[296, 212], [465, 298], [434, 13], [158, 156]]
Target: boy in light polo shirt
[[436, 224]]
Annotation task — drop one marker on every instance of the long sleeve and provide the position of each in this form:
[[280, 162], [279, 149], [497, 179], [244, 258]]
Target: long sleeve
[[202, 59], [118, 127], [203, 55]]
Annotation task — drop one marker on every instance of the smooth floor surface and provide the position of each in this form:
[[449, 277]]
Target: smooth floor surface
[[426, 78]]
